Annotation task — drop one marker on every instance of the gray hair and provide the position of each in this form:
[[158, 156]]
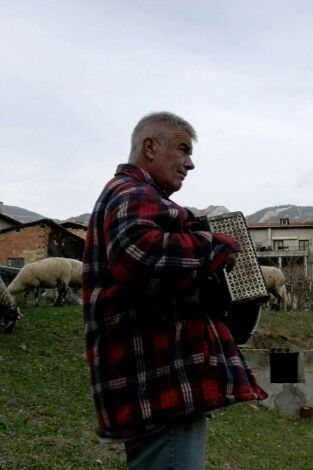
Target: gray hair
[[160, 122]]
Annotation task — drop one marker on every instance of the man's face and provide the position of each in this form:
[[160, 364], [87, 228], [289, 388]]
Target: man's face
[[172, 160]]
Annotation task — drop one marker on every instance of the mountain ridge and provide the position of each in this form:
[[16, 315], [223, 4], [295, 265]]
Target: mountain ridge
[[269, 214], [275, 213]]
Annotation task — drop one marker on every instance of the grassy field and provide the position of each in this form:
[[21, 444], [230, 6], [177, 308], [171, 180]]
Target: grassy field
[[47, 418], [292, 330]]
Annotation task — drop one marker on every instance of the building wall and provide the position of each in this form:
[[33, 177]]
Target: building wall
[[30, 244], [35, 242], [288, 397], [265, 238], [260, 236]]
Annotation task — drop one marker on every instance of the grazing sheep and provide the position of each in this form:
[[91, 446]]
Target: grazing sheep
[[59, 273], [9, 311], [276, 284]]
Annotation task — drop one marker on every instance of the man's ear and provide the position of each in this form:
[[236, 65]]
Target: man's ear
[[149, 148]]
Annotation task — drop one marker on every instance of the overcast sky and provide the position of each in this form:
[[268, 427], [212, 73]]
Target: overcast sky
[[77, 75]]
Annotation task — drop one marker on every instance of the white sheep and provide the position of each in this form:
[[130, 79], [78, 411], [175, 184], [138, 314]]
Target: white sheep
[[276, 284], [9, 311], [59, 273]]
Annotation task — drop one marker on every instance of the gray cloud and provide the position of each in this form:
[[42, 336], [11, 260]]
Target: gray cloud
[[76, 76]]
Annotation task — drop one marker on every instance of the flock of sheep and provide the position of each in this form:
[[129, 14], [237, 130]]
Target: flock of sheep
[[62, 273], [49, 273], [276, 285]]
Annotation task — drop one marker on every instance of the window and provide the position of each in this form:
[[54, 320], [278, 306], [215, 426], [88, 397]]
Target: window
[[278, 244], [303, 245], [284, 367], [16, 262]]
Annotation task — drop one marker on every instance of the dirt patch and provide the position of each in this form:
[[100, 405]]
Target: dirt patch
[[268, 341]]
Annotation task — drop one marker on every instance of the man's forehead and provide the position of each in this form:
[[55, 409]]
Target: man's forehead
[[181, 134], [174, 134]]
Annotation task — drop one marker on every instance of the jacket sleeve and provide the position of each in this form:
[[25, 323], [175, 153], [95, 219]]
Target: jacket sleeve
[[144, 239]]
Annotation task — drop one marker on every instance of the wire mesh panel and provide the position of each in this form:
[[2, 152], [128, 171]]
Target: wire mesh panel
[[245, 282]]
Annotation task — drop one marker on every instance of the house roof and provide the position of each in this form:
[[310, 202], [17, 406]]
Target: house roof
[[291, 224], [74, 225], [9, 219]]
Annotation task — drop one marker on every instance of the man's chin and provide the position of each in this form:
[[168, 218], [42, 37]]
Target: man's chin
[[175, 187]]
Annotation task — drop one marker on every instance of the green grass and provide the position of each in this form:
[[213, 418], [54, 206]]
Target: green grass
[[292, 330], [251, 437], [47, 417]]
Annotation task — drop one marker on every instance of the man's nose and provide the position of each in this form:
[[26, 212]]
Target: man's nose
[[189, 163]]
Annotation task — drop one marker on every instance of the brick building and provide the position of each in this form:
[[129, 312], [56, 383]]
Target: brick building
[[24, 243]]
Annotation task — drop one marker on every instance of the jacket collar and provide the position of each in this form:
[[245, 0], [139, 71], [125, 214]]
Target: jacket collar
[[137, 173]]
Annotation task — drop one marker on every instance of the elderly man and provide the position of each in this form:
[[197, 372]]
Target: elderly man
[[159, 355]]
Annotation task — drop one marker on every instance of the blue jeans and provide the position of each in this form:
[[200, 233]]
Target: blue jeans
[[179, 447]]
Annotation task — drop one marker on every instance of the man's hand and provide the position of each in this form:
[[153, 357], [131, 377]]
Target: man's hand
[[231, 260]]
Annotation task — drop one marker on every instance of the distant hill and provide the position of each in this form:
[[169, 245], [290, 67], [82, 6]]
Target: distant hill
[[210, 210], [24, 215], [269, 214], [82, 219], [275, 213]]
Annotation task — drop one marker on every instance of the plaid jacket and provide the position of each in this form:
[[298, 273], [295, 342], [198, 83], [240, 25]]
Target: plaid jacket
[[155, 350]]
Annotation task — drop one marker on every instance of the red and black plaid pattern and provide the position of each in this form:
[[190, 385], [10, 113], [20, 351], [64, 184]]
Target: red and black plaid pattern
[[154, 349]]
